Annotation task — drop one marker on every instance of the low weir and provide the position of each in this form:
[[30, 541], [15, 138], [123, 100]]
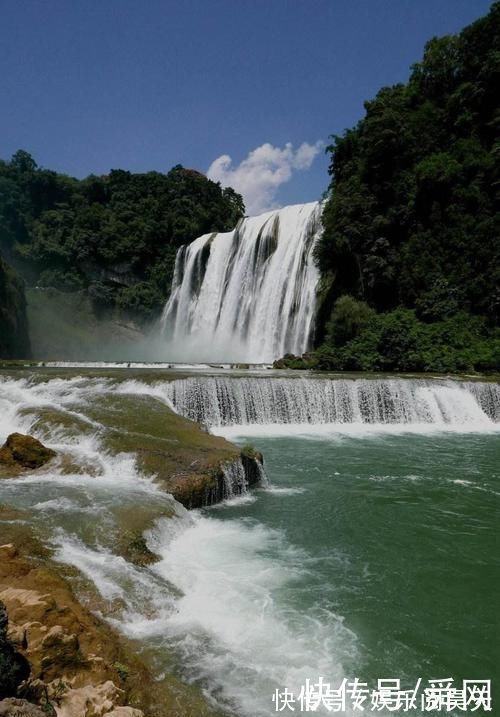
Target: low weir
[[226, 401]]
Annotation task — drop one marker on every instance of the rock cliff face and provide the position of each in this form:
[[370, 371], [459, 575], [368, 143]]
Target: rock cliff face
[[14, 339], [65, 327]]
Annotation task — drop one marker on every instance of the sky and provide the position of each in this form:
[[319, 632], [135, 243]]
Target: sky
[[247, 91]]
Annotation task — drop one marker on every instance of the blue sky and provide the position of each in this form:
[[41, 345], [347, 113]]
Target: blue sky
[[89, 85]]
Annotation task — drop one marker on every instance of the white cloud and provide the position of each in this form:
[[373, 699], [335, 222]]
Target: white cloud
[[259, 176]]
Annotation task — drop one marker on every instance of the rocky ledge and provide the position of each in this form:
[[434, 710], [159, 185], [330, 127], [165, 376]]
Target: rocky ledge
[[187, 461], [59, 659]]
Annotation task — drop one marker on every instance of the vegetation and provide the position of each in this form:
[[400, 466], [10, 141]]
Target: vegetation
[[410, 252], [113, 237], [409, 257], [14, 340]]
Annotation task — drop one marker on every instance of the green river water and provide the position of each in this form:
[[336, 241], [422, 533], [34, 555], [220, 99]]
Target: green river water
[[402, 535], [370, 555]]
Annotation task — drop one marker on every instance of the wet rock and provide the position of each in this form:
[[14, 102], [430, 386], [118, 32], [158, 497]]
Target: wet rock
[[253, 462], [135, 549], [12, 707], [14, 339], [8, 551], [24, 452]]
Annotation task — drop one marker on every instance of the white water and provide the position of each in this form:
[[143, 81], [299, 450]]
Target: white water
[[248, 295], [233, 575], [260, 406], [222, 595], [216, 596]]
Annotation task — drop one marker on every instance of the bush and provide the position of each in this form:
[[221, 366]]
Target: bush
[[399, 341]]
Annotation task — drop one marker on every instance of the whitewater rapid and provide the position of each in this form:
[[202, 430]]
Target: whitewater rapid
[[248, 295], [215, 598], [225, 595]]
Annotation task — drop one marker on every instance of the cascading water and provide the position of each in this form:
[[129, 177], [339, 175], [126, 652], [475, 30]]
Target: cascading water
[[270, 591], [214, 597], [226, 401], [248, 295], [234, 479]]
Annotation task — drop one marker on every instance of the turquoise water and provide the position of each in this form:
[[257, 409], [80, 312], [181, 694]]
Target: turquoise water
[[399, 537], [372, 554]]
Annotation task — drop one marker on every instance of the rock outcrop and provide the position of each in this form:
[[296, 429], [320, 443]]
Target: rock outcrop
[[24, 452], [78, 666], [184, 459]]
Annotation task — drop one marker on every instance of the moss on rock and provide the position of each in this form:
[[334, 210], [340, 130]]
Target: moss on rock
[[20, 451]]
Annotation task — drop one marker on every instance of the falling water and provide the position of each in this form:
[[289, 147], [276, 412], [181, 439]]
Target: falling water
[[234, 479], [226, 401], [246, 295], [265, 595]]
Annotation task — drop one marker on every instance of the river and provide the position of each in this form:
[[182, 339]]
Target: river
[[372, 552]]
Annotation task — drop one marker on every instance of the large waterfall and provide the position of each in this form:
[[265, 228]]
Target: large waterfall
[[246, 295], [226, 401]]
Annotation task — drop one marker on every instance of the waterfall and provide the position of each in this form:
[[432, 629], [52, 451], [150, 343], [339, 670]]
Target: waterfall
[[226, 401], [248, 295], [235, 482]]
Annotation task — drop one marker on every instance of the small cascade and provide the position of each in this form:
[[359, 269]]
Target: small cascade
[[226, 401], [263, 479], [248, 295], [235, 482]]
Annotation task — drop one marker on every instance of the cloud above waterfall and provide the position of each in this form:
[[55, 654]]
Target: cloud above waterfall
[[259, 176]]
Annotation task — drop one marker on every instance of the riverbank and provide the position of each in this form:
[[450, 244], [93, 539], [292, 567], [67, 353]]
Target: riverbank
[[79, 664]]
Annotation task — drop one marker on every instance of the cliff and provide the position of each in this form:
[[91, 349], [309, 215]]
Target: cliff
[[14, 340]]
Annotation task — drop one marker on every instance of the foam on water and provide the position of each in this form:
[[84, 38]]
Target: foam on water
[[276, 490], [224, 593], [216, 596], [20, 403], [232, 575], [335, 431], [59, 505]]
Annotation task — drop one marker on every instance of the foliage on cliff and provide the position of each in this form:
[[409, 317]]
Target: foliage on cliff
[[14, 341], [411, 222], [114, 236]]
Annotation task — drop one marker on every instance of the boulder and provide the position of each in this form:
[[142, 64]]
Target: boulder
[[24, 452]]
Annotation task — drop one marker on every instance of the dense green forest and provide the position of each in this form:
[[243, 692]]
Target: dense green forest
[[113, 237], [14, 339], [409, 256]]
